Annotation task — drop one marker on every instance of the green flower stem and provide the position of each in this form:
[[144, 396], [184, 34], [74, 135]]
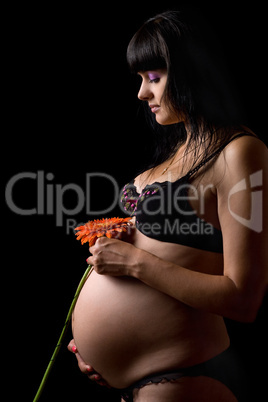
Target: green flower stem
[[62, 335]]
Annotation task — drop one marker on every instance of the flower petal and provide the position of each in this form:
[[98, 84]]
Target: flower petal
[[101, 227]]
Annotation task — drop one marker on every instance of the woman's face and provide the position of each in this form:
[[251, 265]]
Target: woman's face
[[151, 90]]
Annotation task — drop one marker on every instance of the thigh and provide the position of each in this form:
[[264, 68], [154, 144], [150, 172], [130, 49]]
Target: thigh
[[186, 389]]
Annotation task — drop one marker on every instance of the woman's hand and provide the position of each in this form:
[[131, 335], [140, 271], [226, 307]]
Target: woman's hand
[[85, 368], [114, 257]]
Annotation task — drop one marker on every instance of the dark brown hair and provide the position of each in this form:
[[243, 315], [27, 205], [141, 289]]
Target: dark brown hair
[[198, 84]]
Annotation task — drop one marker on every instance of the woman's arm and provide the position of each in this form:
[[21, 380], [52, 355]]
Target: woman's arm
[[238, 293], [242, 209], [217, 294]]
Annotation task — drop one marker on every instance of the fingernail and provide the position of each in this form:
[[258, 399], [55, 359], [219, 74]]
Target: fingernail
[[88, 369], [74, 349], [97, 377]]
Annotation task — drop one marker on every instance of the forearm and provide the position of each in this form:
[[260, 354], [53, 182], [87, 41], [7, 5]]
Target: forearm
[[216, 294]]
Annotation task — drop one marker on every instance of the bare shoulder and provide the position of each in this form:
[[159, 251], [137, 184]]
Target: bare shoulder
[[247, 146], [242, 157]]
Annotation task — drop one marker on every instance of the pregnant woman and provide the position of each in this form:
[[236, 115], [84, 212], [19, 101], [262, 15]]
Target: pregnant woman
[[149, 320]]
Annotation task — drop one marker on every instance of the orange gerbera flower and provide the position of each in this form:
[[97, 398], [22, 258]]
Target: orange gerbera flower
[[90, 231]]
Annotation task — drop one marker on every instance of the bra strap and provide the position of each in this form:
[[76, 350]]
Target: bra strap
[[219, 150]]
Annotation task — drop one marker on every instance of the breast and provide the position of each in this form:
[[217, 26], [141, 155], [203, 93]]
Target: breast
[[116, 319]]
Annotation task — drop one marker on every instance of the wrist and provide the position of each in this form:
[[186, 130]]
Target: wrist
[[144, 262]]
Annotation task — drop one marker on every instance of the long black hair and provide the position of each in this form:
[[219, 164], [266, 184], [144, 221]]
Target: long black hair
[[198, 83]]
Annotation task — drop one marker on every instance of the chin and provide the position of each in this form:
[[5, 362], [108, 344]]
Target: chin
[[167, 120]]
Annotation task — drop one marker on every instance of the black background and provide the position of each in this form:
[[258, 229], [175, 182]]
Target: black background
[[70, 108]]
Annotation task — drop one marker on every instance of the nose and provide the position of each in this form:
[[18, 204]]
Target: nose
[[144, 92]]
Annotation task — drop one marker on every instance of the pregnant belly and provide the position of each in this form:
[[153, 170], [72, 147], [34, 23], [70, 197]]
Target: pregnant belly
[[119, 324]]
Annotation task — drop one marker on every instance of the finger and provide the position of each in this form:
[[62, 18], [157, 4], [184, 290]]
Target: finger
[[95, 377], [90, 261], [99, 380], [93, 248], [72, 347], [85, 368], [103, 384]]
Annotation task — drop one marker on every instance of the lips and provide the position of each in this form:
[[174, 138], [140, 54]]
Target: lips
[[154, 108]]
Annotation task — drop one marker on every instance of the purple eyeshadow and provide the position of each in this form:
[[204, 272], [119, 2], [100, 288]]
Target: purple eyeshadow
[[153, 76]]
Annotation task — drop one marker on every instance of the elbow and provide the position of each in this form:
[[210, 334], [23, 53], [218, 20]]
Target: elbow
[[248, 317], [242, 315], [245, 310], [245, 302]]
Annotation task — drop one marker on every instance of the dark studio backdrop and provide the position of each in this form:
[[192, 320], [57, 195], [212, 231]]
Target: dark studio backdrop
[[70, 110]]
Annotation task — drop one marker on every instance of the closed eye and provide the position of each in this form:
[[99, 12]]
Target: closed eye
[[154, 80]]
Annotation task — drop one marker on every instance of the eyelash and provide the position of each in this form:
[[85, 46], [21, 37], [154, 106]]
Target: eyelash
[[154, 81]]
